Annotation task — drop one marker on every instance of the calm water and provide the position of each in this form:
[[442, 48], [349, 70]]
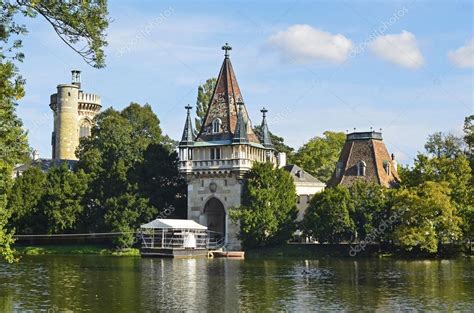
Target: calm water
[[122, 284]]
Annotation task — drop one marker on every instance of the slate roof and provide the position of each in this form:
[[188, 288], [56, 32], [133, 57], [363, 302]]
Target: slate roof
[[369, 148], [299, 175]]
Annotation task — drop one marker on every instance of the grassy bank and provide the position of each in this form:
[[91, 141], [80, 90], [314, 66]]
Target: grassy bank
[[74, 250]]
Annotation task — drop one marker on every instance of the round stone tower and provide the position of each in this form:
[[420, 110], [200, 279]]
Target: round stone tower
[[74, 111]]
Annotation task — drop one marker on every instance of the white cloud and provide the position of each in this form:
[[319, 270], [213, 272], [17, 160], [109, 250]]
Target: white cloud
[[401, 49], [463, 56], [307, 44]]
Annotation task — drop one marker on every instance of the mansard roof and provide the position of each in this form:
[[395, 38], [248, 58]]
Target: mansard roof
[[369, 149], [223, 106]]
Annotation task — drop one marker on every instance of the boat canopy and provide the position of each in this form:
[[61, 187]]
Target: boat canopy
[[160, 223]]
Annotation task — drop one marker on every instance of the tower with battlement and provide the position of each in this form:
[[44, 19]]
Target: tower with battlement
[[74, 112]]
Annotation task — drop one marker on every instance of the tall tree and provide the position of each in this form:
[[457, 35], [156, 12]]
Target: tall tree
[[427, 217], [203, 99], [320, 154], [78, 24], [24, 202], [61, 202], [328, 217], [444, 145], [268, 206]]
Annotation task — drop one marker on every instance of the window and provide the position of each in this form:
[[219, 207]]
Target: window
[[216, 125], [339, 168], [386, 166], [215, 153], [225, 182], [85, 129], [361, 166], [190, 154]]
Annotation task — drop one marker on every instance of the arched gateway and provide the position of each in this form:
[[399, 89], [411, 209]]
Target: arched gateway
[[215, 216]]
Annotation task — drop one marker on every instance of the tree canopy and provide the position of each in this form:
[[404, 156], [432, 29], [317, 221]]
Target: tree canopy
[[268, 206], [203, 100], [320, 154]]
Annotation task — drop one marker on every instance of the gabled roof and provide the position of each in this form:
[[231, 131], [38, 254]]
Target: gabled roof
[[45, 164], [223, 106], [299, 175], [173, 224]]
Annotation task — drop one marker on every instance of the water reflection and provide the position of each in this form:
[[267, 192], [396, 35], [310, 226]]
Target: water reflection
[[109, 284]]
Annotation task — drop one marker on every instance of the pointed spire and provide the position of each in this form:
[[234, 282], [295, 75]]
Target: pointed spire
[[240, 135], [223, 106], [187, 138], [266, 139]]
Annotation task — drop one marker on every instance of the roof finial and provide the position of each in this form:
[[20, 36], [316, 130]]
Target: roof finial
[[188, 108], [264, 111], [226, 48]]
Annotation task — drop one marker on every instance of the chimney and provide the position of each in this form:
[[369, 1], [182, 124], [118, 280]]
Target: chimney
[[76, 78], [35, 155], [394, 163]]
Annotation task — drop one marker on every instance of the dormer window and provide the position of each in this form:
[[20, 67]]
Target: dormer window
[[386, 166], [216, 125], [361, 166]]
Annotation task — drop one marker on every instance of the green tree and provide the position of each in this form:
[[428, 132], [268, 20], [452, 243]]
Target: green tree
[[128, 159], [203, 100], [78, 24], [370, 207], [24, 202], [328, 217], [159, 180], [444, 145], [427, 217], [61, 202], [268, 206], [320, 154]]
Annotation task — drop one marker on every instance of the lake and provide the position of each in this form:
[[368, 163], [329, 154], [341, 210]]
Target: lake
[[130, 284]]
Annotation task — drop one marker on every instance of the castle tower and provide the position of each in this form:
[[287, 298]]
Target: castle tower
[[216, 160], [74, 111], [365, 156]]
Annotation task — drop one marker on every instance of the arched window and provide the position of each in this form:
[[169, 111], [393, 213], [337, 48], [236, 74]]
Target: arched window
[[361, 166], [216, 125], [85, 129]]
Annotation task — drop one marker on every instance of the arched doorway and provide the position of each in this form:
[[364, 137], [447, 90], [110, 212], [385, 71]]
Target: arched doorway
[[215, 217]]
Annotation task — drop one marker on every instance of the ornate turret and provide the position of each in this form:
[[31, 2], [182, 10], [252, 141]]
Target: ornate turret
[[187, 138], [266, 139], [240, 135]]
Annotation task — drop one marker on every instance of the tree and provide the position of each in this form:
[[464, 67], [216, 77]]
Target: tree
[[320, 154], [77, 24], [268, 206], [370, 207], [278, 142], [328, 217], [444, 145], [133, 174], [427, 217], [61, 202], [24, 202], [159, 180], [203, 100]]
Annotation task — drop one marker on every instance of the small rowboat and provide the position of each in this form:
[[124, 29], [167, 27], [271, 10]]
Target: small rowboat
[[228, 254]]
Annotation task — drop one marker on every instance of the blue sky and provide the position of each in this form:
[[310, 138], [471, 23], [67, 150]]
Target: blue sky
[[405, 67]]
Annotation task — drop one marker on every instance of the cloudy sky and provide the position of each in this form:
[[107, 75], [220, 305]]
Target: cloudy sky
[[405, 67]]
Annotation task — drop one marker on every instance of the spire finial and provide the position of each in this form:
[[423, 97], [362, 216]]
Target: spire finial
[[226, 48], [188, 108], [264, 111]]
